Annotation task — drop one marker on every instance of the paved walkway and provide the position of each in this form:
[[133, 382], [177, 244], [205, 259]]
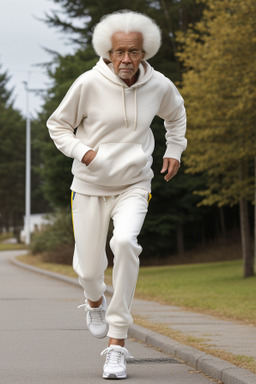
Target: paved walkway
[[44, 340], [232, 337]]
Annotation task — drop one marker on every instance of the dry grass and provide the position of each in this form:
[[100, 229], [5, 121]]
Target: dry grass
[[10, 247]]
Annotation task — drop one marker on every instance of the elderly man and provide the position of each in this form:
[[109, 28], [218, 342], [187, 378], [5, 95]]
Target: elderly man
[[112, 107]]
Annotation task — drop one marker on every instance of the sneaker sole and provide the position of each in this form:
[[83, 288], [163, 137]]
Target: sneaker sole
[[113, 376], [100, 336]]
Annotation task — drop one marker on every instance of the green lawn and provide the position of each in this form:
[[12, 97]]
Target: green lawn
[[10, 247], [213, 288]]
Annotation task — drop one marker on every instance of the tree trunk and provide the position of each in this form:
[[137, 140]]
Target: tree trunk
[[246, 238], [222, 223], [180, 240], [255, 215]]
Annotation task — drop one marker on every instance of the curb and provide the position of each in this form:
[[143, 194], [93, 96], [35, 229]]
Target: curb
[[214, 367]]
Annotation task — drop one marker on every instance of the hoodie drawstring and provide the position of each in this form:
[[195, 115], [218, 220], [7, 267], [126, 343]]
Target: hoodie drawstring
[[135, 108], [124, 108]]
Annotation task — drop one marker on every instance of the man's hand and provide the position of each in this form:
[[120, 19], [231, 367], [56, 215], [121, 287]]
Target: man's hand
[[171, 166], [88, 157]]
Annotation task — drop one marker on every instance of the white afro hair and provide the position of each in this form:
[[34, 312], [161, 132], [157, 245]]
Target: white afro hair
[[126, 21]]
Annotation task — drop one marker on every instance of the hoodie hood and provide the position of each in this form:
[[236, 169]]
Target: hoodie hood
[[145, 73], [107, 70]]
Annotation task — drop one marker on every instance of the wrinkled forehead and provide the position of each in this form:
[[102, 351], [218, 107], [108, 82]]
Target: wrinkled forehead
[[121, 39]]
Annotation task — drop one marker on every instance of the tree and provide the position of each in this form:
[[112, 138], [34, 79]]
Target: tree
[[12, 159], [219, 86]]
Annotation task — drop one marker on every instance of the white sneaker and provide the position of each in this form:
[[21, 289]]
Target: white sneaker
[[115, 365], [95, 319]]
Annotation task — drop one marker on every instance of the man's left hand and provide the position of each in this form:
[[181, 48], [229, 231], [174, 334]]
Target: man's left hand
[[171, 166]]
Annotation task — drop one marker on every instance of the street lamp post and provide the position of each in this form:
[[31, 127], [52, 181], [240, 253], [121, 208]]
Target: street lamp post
[[28, 169]]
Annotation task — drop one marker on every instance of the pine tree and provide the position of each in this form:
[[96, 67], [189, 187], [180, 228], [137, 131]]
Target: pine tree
[[12, 160]]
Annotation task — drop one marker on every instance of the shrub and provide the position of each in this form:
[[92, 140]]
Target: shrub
[[55, 242]]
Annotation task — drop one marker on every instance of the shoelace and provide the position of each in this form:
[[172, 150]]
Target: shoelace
[[96, 315], [114, 355]]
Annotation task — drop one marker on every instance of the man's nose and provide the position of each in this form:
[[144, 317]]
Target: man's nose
[[126, 58]]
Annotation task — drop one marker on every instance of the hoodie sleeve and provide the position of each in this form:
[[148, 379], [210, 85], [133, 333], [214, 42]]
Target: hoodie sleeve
[[62, 123], [173, 112]]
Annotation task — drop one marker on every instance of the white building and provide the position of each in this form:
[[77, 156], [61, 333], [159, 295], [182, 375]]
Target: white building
[[37, 222]]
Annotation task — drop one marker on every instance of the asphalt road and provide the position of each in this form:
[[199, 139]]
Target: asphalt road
[[44, 340]]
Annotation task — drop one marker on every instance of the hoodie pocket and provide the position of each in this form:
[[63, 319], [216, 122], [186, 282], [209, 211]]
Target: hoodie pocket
[[117, 164]]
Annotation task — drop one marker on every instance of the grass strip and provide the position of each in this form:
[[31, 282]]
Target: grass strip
[[11, 247], [214, 288]]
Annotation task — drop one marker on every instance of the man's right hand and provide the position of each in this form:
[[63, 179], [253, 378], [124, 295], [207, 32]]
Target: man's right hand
[[88, 157]]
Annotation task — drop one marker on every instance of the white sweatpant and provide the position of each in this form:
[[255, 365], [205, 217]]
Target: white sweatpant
[[91, 217]]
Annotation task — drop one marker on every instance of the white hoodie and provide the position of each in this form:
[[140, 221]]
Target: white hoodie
[[114, 120]]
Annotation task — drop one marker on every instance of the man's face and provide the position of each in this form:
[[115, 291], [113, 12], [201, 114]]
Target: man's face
[[129, 45]]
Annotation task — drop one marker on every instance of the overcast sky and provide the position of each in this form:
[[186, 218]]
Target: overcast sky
[[22, 38]]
